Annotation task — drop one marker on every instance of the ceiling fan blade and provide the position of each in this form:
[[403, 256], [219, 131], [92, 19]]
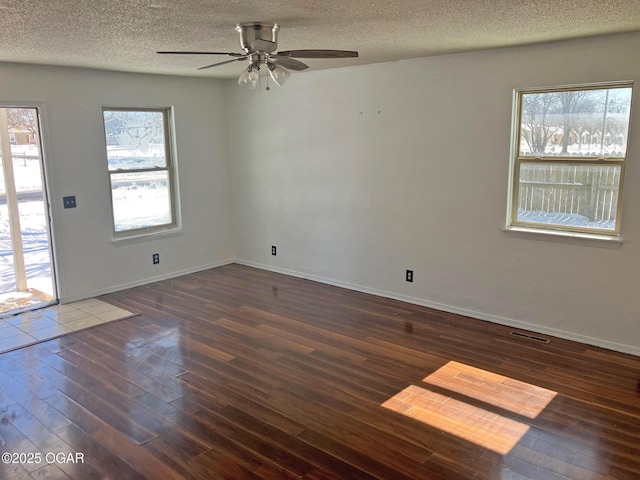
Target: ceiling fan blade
[[223, 63], [290, 63], [261, 45], [318, 53], [203, 53]]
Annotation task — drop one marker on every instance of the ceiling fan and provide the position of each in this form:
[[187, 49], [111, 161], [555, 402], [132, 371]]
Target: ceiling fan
[[260, 42]]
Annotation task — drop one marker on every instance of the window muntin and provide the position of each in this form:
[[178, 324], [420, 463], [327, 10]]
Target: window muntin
[[571, 182], [140, 169]]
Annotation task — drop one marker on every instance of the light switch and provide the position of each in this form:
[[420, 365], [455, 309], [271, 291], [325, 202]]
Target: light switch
[[69, 202]]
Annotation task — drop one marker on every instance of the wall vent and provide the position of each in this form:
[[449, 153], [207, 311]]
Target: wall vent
[[530, 337]]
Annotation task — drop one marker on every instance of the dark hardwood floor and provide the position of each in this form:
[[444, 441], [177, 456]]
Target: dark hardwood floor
[[239, 373]]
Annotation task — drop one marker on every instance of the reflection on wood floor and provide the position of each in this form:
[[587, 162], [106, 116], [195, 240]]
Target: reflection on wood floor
[[239, 373]]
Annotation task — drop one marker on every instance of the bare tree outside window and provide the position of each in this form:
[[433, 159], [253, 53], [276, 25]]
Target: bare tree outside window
[[22, 119]]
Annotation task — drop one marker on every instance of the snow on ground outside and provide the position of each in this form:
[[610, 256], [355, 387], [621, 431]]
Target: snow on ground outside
[[27, 176], [35, 244], [564, 219], [26, 171]]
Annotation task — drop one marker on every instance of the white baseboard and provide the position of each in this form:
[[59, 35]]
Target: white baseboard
[[618, 347], [146, 281]]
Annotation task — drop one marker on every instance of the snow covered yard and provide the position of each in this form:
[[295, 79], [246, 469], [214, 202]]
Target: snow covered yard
[[33, 224]]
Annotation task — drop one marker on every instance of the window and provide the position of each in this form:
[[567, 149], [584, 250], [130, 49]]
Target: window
[[141, 170], [569, 158]]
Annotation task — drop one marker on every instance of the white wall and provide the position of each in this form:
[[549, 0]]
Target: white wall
[[88, 262], [358, 174]]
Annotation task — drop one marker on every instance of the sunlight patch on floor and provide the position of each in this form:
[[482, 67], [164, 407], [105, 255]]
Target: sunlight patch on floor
[[466, 421], [503, 392], [470, 422]]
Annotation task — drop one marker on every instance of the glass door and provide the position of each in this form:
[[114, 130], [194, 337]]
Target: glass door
[[27, 279]]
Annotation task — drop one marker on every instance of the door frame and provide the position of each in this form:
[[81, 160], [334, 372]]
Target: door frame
[[48, 189]]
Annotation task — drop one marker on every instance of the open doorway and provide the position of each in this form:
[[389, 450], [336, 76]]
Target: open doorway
[[27, 279]]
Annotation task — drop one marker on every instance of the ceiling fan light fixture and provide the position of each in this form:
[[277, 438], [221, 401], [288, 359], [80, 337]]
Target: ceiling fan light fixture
[[249, 78], [278, 74], [259, 42]]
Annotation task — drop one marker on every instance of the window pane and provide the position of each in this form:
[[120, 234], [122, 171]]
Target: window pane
[[140, 200], [591, 123], [135, 139], [584, 196]]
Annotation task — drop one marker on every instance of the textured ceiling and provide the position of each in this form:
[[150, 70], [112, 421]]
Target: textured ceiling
[[125, 34]]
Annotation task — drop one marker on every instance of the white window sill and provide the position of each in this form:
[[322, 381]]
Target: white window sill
[[589, 239], [139, 237]]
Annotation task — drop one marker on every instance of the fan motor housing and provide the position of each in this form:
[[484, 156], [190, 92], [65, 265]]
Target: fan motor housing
[[250, 32]]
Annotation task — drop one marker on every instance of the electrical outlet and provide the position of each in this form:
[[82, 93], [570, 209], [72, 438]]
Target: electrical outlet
[[409, 276], [273, 250], [156, 258], [69, 202]]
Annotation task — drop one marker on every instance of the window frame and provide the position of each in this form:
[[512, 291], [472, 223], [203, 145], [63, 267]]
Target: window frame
[[170, 167], [517, 160]]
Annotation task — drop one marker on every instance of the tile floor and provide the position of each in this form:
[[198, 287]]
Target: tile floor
[[39, 325]]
